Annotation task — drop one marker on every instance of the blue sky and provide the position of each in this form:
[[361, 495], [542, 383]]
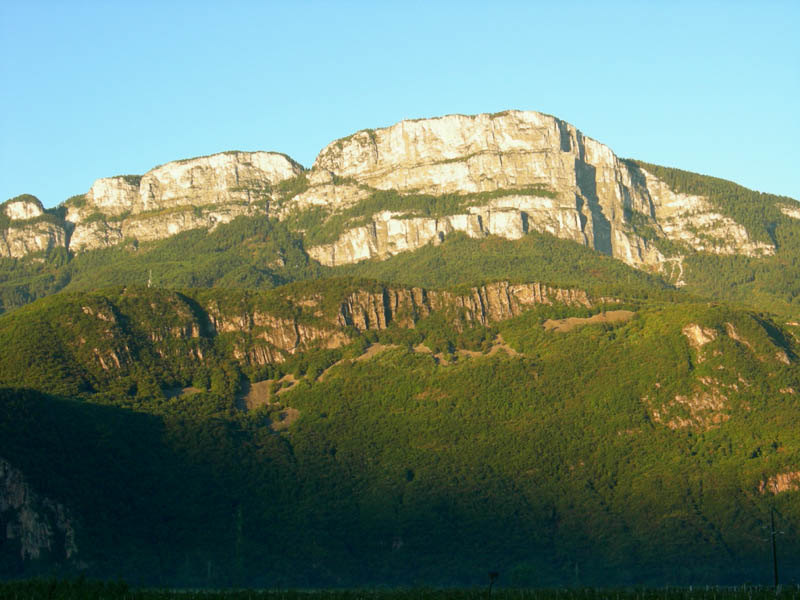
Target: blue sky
[[94, 89]]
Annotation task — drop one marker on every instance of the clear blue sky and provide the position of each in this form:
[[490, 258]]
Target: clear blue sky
[[94, 89]]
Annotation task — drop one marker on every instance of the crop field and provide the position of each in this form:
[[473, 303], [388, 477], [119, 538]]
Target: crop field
[[85, 590]]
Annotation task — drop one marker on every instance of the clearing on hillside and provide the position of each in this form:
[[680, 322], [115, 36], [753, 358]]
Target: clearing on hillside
[[564, 325]]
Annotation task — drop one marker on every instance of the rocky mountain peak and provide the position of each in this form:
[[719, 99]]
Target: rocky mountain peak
[[197, 193], [504, 174], [218, 178], [527, 171], [22, 207], [456, 153]]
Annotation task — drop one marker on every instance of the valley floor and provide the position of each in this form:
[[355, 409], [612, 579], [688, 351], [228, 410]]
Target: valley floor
[[87, 590]]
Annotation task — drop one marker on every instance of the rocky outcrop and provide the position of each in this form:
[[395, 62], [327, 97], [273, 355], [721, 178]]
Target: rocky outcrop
[[482, 305], [791, 211], [692, 220], [323, 193], [155, 225], [698, 335], [268, 338], [26, 229], [229, 177], [22, 208], [390, 233], [178, 196], [516, 171], [596, 192], [35, 525], [780, 483], [23, 239], [485, 153]]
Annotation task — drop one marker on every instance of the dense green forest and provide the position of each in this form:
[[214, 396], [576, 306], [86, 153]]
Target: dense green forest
[[613, 453]]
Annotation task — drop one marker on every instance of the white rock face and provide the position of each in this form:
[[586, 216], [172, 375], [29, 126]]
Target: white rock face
[[148, 227], [21, 209], [326, 195], [691, 219], [213, 189], [457, 153], [16, 242], [596, 192], [35, 524], [216, 179], [390, 233], [111, 196], [791, 211], [20, 237], [515, 171]]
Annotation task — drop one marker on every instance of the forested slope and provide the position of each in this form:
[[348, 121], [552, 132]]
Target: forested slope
[[647, 448]]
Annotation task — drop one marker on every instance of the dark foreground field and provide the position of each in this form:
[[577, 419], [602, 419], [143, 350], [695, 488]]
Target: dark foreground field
[[80, 590]]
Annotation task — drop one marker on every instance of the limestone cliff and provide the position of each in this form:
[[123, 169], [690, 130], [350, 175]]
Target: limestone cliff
[[595, 192], [178, 196], [106, 333], [513, 172], [25, 228], [27, 238], [155, 225], [390, 233], [22, 208], [267, 337]]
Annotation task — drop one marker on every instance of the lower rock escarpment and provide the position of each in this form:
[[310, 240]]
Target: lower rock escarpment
[[780, 483], [271, 338], [261, 335], [36, 525]]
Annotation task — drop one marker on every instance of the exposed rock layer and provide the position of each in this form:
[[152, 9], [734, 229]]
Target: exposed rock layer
[[35, 524], [178, 196], [277, 336], [596, 193], [268, 329], [556, 180], [28, 238]]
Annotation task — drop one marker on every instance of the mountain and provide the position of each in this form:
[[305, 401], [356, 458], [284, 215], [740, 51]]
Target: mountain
[[451, 346], [382, 193]]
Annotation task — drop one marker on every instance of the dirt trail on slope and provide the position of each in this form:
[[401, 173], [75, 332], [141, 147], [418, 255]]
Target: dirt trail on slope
[[370, 352], [500, 344], [564, 325]]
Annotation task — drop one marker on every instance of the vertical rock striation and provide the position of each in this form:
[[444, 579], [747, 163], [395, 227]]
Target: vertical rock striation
[[36, 525], [512, 173], [595, 192]]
